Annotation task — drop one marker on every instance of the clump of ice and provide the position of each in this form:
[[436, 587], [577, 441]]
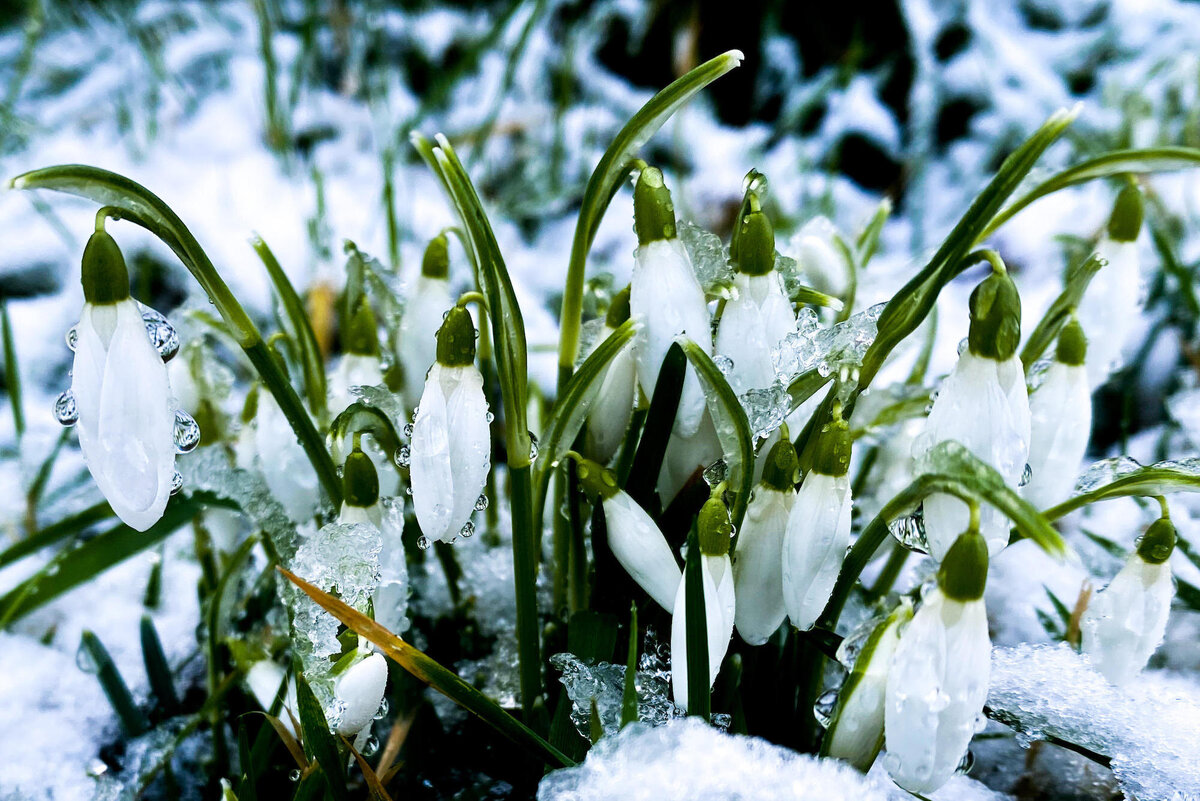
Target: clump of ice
[[827, 349], [1106, 471], [1150, 731], [709, 256], [687, 760], [604, 683]]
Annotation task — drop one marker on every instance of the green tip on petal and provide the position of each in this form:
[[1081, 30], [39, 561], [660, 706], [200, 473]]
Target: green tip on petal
[[618, 310], [1127, 213], [779, 472], [755, 254], [832, 456], [995, 318], [963, 574], [1072, 344], [361, 336], [436, 263], [714, 528], [596, 480], [104, 276], [250, 407], [1158, 542], [456, 339], [653, 210], [360, 482]]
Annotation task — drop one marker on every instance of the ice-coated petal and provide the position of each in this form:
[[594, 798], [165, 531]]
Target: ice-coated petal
[[353, 370], [717, 581], [359, 692], [757, 575], [641, 549], [285, 467], [824, 268], [980, 406], [417, 339], [936, 688], [1061, 414], [451, 450], [126, 420], [752, 326], [814, 546], [1125, 622], [1111, 308], [613, 407], [666, 300]]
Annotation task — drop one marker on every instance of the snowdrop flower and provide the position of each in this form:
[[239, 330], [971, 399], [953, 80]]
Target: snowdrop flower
[[713, 532], [818, 528], [423, 311], [760, 314], [362, 505], [855, 732], [938, 680], [665, 297], [265, 679], [358, 692], [686, 457], [983, 405], [634, 539], [612, 409], [1112, 305], [818, 256], [757, 577], [1126, 621], [451, 441], [122, 397], [360, 365], [278, 455], [1061, 422]]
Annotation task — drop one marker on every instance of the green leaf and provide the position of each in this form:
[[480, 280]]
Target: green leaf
[[699, 700], [360, 417], [606, 179], [1116, 162], [1162, 478], [12, 374], [70, 527], [319, 742], [132, 721], [656, 433], [1075, 284], [158, 670], [131, 201], [733, 429], [429, 672], [629, 698]]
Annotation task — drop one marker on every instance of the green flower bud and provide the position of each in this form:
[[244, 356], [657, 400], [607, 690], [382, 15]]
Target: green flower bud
[[963, 573], [995, 318], [1072, 344], [436, 263], [653, 211], [832, 454], [755, 253], [714, 528], [360, 482], [618, 310], [1127, 213], [456, 339], [598, 482], [779, 472], [250, 407], [103, 275], [1158, 542], [361, 335]]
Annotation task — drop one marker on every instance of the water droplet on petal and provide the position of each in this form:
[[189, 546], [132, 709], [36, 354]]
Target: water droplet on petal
[[408, 430], [65, 410], [176, 482], [489, 417], [467, 530], [382, 711], [186, 433], [404, 456], [823, 708], [716, 472], [481, 503], [163, 335], [72, 341], [423, 543], [1026, 475], [370, 746], [962, 345]]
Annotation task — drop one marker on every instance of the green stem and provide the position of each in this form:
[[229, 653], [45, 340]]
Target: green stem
[[890, 572], [12, 375], [524, 540]]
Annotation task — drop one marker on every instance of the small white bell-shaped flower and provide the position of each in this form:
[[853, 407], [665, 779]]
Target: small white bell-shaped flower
[[424, 309], [855, 732], [608, 419], [281, 459], [984, 406], [686, 457], [634, 539], [1125, 622], [358, 691], [759, 315], [713, 532], [122, 397], [665, 297], [451, 436], [757, 577], [1060, 412], [360, 365], [938, 680], [823, 265], [818, 529], [1112, 304]]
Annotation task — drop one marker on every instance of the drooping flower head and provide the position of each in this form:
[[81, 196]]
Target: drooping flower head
[[426, 303], [612, 409], [1060, 411]]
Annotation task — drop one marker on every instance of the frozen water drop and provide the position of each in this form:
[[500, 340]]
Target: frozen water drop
[[382, 711], [72, 337], [1026, 475], [408, 430], [716, 472], [962, 345], [823, 708], [723, 363], [404, 456], [294, 776], [370, 746], [186, 433], [966, 763], [533, 447], [163, 335], [481, 503], [423, 543], [176, 482], [97, 768], [467, 530], [84, 660], [65, 410], [489, 417], [909, 531]]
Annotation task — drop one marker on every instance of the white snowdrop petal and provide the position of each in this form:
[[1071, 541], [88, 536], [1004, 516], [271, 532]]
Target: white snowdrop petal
[[814, 546], [1126, 621], [641, 549], [1111, 308], [667, 301], [716, 578], [757, 576], [353, 370], [284, 465], [1061, 414], [359, 692], [685, 456], [126, 421], [417, 338], [613, 407], [751, 327]]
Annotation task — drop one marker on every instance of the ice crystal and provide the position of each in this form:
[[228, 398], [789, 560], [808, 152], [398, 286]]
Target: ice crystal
[[710, 258]]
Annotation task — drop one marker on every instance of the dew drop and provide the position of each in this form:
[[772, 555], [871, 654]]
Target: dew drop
[[186, 433], [716, 472], [423, 543], [176, 482], [65, 410], [408, 490], [966, 763], [370, 746], [84, 661], [533, 446], [489, 417], [823, 708], [294, 776], [72, 340], [382, 711], [1026, 475], [163, 335], [404, 456], [467, 530], [962, 345], [723, 363], [408, 430], [481, 503]]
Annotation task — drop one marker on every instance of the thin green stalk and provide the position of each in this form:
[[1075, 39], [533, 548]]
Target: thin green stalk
[[12, 375], [132, 721], [576, 551], [890, 572], [699, 699], [520, 481]]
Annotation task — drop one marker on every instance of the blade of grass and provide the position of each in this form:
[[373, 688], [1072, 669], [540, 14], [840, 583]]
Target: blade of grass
[[132, 721], [629, 698], [158, 670], [699, 700], [12, 373], [319, 742]]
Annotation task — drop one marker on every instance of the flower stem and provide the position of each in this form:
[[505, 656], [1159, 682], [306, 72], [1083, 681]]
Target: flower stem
[[520, 482]]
